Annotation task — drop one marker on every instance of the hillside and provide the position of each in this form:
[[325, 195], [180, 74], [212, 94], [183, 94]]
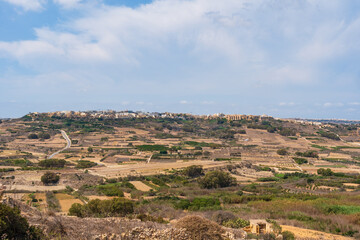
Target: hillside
[[154, 170]]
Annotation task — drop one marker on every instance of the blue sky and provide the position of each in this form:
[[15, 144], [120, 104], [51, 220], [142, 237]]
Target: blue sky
[[285, 58]]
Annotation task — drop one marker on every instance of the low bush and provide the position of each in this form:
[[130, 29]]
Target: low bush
[[287, 235], [300, 160], [152, 148], [236, 223], [112, 190], [85, 164], [117, 207], [329, 135], [198, 204]]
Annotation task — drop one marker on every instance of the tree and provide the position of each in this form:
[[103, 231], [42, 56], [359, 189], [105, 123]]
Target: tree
[[282, 152], [193, 171], [90, 149], [50, 178], [33, 136], [44, 135], [325, 172], [217, 179], [14, 226]]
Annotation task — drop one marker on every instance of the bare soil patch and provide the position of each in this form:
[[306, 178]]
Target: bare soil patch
[[140, 186], [302, 234]]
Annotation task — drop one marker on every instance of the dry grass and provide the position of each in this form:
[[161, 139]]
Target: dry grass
[[200, 228]]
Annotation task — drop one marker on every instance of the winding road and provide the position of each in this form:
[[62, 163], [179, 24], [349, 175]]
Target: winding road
[[68, 144]]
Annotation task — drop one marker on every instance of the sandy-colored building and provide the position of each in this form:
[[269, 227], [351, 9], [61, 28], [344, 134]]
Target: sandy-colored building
[[259, 226]]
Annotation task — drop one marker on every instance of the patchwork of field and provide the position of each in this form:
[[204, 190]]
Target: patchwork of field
[[145, 161]]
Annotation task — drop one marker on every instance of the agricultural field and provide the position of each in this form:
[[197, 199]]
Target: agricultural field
[[297, 176]]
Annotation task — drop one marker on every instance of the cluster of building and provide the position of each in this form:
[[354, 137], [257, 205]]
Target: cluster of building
[[111, 114]]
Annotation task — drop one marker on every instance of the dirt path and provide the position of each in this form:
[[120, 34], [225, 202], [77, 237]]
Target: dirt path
[[34, 188], [140, 186], [302, 233]]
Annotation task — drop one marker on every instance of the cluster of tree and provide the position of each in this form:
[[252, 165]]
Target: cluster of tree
[[325, 172], [329, 135], [265, 126], [217, 179], [287, 132], [85, 164], [116, 207], [50, 178], [41, 135], [300, 160], [310, 153], [52, 163], [14, 226], [328, 172]]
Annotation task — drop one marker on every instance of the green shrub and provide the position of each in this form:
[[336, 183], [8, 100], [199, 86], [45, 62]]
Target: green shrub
[[117, 207], [217, 179], [112, 190], [287, 235], [152, 148], [204, 203], [236, 223], [325, 172], [330, 135], [268, 179], [300, 160], [287, 132], [85, 164]]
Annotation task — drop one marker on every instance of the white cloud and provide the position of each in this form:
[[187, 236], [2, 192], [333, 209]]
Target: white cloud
[[184, 102], [329, 104], [286, 104], [68, 3], [27, 5], [355, 103]]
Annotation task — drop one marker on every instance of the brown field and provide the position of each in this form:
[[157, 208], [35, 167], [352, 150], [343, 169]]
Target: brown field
[[66, 201], [302, 234], [141, 186]]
